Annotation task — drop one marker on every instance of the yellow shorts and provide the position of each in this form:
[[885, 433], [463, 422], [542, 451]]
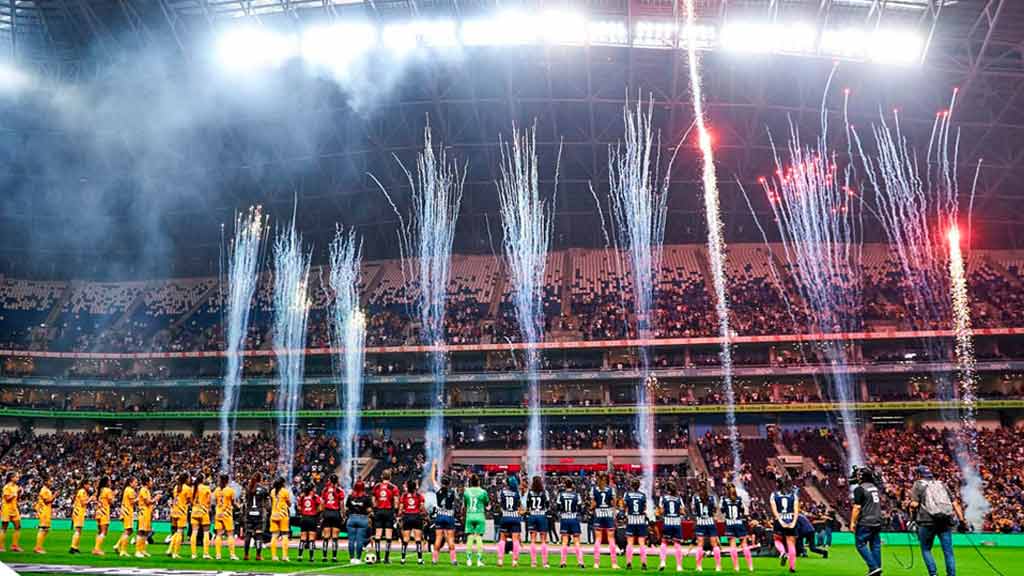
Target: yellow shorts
[[45, 521], [78, 519], [201, 520], [278, 525], [11, 516], [225, 524], [145, 522], [128, 521], [177, 522]]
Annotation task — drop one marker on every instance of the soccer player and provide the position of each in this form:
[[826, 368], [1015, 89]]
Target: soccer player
[[444, 521], [224, 521], [413, 509], [511, 522], [309, 519], [182, 499], [104, 503], [145, 530], [785, 508], [568, 504], [332, 497], [703, 506], [735, 512], [385, 501], [602, 507], [537, 506], [44, 512], [9, 512], [128, 500], [201, 503], [280, 508], [670, 509], [634, 503], [475, 500], [256, 507], [82, 499]]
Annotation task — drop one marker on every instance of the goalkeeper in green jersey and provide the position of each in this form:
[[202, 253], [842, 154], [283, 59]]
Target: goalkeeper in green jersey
[[475, 502]]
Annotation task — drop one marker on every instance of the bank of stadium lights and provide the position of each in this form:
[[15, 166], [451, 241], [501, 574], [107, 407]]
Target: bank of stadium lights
[[336, 45]]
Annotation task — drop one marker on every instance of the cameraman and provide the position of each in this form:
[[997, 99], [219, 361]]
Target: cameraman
[[866, 519], [937, 515]]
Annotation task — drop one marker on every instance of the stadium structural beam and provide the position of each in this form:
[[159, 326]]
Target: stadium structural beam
[[989, 17]]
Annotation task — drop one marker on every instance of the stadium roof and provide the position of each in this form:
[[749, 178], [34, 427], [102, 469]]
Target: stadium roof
[[575, 94]]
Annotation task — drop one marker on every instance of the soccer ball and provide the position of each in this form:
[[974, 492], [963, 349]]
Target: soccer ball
[[370, 558]]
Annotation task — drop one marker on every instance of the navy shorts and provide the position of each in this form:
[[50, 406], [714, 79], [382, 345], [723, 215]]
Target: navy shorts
[[444, 523], [780, 531], [636, 530], [672, 533], [604, 522], [706, 531], [569, 526], [511, 526], [736, 530], [537, 523]]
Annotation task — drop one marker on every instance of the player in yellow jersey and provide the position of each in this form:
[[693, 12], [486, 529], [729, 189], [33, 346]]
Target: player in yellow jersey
[[145, 502], [179, 514], [78, 508], [9, 512], [44, 512], [104, 503], [201, 503], [280, 509], [224, 521], [128, 499]]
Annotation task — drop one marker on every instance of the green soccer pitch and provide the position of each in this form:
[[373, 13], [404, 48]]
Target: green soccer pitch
[[898, 559]]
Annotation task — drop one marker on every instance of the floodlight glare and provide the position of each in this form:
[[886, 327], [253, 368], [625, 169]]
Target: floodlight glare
[[404, 37], [336, 45], [251, 47], [508, 28], [568, 28], [612, 32], [13, 79], [896, 46]]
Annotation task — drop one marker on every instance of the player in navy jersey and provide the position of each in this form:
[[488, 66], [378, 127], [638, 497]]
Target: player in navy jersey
[[568, 505], [670, 509], [444, 518], [735, 512], [602, 507], [703, 506], [537, 506], [511, 525], [785, 508], [634, 503]]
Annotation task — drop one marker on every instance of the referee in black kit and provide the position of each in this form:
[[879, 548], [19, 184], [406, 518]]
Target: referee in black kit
[[866, 518]]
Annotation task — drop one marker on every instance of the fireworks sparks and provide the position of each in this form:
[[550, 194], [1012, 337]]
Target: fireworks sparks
[[526, 221], [349, 328], [243, 274]]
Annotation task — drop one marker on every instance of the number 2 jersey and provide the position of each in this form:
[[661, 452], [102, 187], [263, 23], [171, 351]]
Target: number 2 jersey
[[604, 502]]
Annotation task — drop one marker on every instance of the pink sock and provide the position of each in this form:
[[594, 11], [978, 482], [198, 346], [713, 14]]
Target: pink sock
[[533, 553], [614, 551], [700, 554], [746, 554], [433, 556], [451, 552], [544, 552], [717, 550], [679, 554], [735, 556], [664, 551], [629, 553], [597, 552], [565, 550], [579, 554], [780, 547], [515, 551], [791, 551], [501, 551], [643, 554]]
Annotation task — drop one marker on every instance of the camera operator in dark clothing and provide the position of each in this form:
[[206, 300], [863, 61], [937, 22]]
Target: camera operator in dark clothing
[[936, 516], [866, 519]]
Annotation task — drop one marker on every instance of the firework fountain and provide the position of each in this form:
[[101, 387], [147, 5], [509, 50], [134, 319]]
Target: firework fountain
[[820, 225], [526, 222], [716, 244], [425, 239], [349, 327], [638, 206], [919, 213], [243, 275], [291, 312]]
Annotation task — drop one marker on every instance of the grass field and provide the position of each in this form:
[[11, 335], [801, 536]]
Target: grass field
[[843, 561]]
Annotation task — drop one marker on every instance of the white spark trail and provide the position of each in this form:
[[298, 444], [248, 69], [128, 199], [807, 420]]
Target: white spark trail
[[349, 333]]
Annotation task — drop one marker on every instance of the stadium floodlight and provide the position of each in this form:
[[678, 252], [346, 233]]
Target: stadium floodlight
[[507, 28], [896, 47], [563, 28], [612, 32], [757, 37], [403, 37], [250, 48], [334, 46], [654, 33]]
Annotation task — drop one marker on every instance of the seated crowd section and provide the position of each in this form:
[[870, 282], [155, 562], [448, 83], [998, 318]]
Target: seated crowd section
[[587, 295]]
